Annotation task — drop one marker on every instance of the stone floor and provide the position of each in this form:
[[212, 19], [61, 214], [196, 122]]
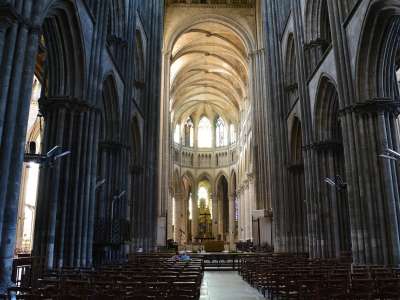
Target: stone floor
[[227, 286]]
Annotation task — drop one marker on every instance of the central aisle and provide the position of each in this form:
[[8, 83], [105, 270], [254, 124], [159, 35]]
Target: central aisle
[[221, 285]]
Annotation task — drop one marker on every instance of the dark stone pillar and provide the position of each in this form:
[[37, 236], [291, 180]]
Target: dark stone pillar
[[18, 48], [375, 208], [64, 197]]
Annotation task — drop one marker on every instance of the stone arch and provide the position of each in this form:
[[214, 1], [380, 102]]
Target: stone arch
[[219, 176], [190, 187], [109, 110], [318, 37], [291, 82], [116, 32], [189, 178], [297, 240], [334, 236], [204, 176], [317, 28], [379, 51], [326, 111], [65, 63], [296, 151], [140, 51], [63, 102], [117, 18], [222, 197]]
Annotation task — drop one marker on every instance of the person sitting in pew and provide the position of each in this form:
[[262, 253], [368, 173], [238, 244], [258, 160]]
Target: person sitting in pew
[[181, 256]]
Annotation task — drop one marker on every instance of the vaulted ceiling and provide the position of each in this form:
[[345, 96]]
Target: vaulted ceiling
[[209, 72]]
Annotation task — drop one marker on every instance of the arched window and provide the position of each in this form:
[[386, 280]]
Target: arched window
[[177, 134], [202, 194], [173, 211], [189, 132], [233, 133], [220, 133], [205, 133], [190, 207]]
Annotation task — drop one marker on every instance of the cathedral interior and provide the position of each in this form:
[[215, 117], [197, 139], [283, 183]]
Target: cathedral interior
[[257, 137]]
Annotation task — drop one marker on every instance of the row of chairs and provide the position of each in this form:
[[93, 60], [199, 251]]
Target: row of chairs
[[297, 277], [151, 277]]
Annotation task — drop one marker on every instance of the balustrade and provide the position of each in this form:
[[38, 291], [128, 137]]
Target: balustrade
[[205, 158]]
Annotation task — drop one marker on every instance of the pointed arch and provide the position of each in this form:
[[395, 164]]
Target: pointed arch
[[317, 25], [65, 63], [109, 110], [291, 82], [204, 176], [296, 151], [327, 126], [140, 52], [329, 153], [117, 19], [219, 177], [379, 52]]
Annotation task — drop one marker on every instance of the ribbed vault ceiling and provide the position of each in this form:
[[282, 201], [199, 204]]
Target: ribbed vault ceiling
[[209, 72]]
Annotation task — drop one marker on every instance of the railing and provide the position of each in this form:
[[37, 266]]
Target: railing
[[25, 268], [205, 158]]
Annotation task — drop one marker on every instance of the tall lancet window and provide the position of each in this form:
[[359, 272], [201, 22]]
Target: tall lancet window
[[177, 134], [189, 133], [220, 133], [205, 133], [233, 133]]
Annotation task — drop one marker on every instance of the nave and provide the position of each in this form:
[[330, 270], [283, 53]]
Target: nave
[[133, 128]]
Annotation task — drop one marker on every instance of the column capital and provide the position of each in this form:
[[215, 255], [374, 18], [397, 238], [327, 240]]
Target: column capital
[[299, 166], [291, 87], [250, 177], [111, 145], [256, 52], [9, 15], [116, 40], [319, 42], [373, 106], [48, 104], [327, 145], [245, 183]]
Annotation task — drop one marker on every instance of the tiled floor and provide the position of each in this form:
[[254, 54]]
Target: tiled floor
[[227, 286]]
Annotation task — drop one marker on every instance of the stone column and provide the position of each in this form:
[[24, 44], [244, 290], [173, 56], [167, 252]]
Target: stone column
[[64, 203], [369, 126], [195, 214], [242, 215], [252, 202], [135, 173], [231, 220], [21, 43], [171, 233], [248, 210], [215, 215], [179, 209], [220, 223]]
